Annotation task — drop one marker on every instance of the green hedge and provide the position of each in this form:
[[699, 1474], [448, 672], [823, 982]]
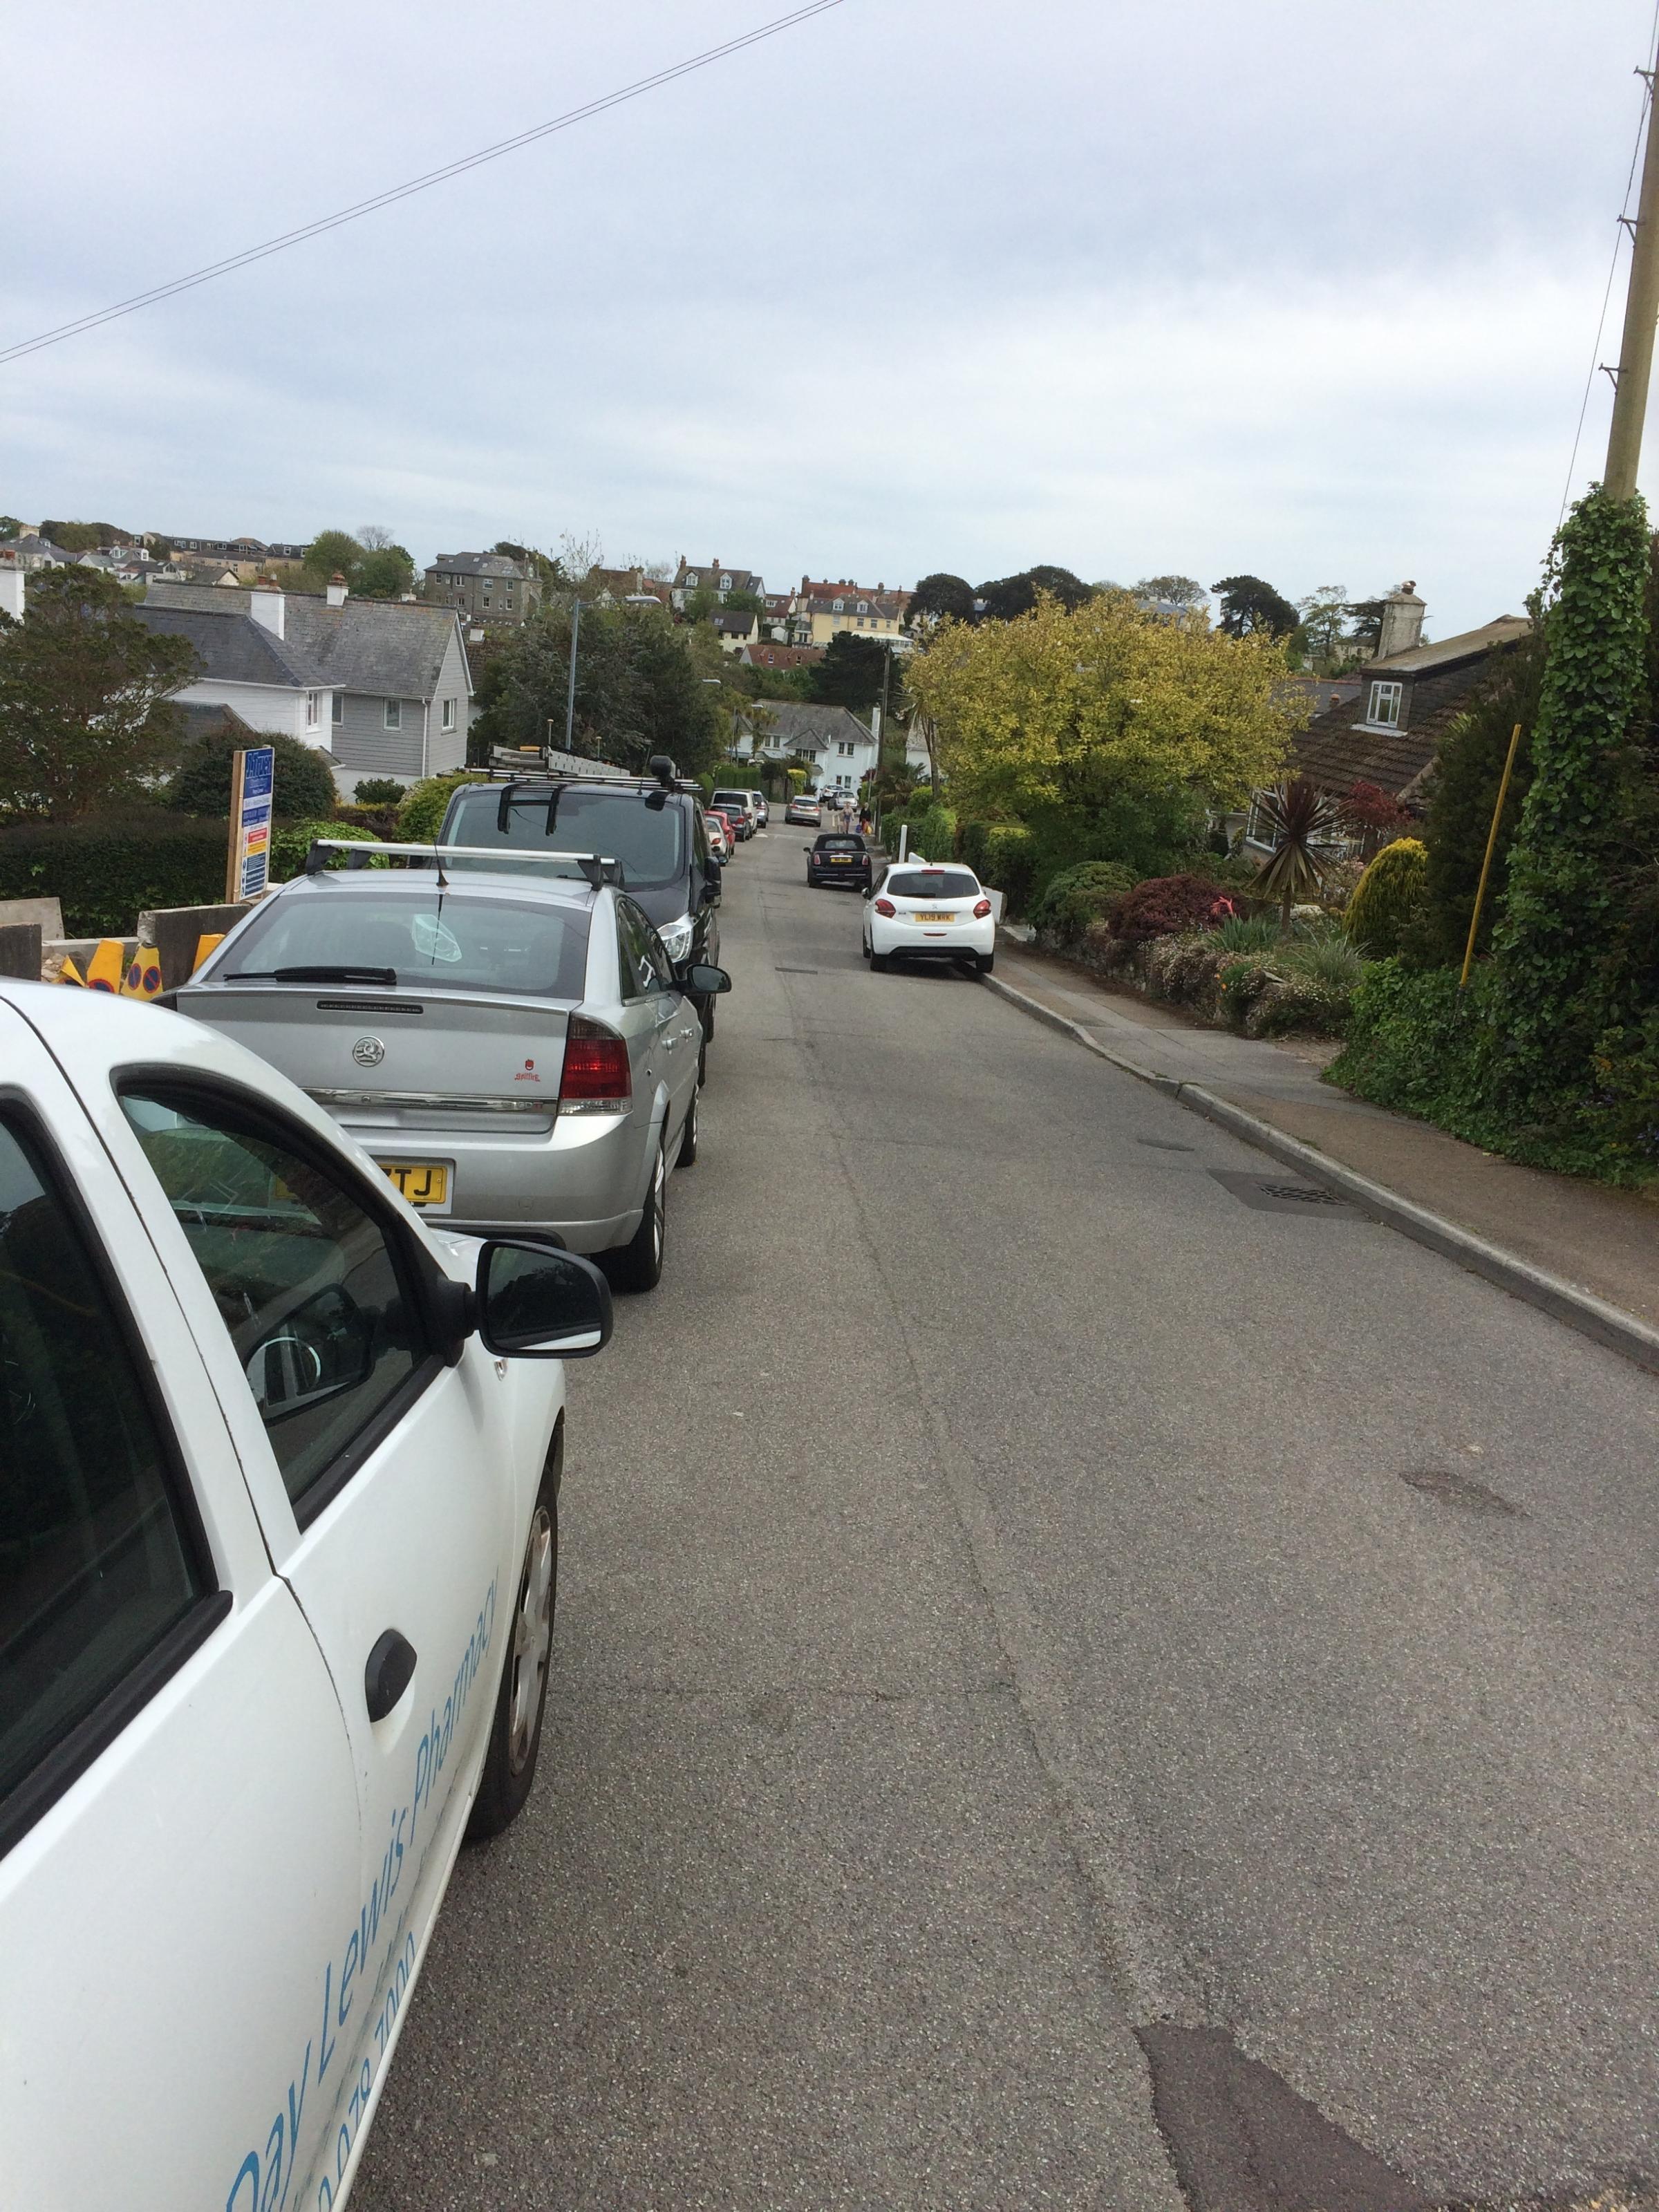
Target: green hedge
[[104, 873], [1004, 855], [934, 834], [422, 814], [291, 840]]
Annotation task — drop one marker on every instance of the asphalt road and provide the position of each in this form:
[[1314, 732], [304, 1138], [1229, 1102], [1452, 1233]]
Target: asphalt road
[[1080, 1683]]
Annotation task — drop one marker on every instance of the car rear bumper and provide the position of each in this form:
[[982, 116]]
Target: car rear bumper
[[955, 942], [582, 1180]]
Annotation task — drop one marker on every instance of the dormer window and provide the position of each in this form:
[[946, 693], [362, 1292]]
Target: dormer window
[[836, 606], [1384, 708], [691, 579], [864, 606], [726, 583]]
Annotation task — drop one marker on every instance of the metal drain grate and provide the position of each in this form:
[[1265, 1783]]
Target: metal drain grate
[[1453, 1487], [1271, 1197]]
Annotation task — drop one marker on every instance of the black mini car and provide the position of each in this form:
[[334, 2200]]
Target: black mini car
[[839, 859]]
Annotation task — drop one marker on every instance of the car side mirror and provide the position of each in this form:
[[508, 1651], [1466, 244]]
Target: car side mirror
[[536, 1302], [702, 979]]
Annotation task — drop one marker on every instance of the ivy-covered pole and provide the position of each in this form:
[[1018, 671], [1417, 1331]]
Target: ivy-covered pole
[[1553, 949]]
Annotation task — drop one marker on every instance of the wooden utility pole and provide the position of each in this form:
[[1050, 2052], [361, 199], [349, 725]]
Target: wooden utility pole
[[1630, 388]]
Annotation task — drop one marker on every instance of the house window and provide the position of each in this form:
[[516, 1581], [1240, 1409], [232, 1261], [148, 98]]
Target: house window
[[447, 720], [726, 583], [844, 748], [836, 606], [1384, 707], [691, 579], [336, 706], [313, 709], [864, 606], [394, 713]]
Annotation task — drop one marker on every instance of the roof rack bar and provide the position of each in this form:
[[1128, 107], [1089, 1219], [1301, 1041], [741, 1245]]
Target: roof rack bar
[[597, 867]]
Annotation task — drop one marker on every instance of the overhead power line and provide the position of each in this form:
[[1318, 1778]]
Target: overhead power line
[[291, 238]]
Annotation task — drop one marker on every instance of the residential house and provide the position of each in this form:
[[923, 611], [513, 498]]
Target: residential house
[[490, 588], [764, 654], [245, 551], [610, 587], [121, 564], [31, 551], [1388, 733], [868, 610], [715, 576], [381, 687], [736, 630], [830, 740]]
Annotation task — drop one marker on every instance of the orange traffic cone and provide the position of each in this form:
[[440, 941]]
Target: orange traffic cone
[[104, 968]]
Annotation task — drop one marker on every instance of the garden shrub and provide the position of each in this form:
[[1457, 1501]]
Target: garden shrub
[[379, 791], [1069, 902], [1164, 905], [1386, 900], [1185, 970], [303, 780], [1003, 854], [379, 821], [104, 873], [933, 836], [291, 840], [421, 815]]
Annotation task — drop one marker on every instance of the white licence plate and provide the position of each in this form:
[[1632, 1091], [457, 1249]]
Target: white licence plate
[[936, 917]]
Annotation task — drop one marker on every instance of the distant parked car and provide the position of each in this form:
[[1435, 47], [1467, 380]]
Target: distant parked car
[[804, 811], [838, 857], [516, 1055], [750, 802], [740, 827], [720, 837], [929, 913]]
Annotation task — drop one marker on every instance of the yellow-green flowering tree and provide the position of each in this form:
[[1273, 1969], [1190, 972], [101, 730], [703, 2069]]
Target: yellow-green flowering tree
[[1067, 709]]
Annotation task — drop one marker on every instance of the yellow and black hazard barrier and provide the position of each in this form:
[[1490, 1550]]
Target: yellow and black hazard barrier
[[109, 970]]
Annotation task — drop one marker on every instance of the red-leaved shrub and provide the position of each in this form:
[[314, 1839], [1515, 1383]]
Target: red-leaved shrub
[[1163, 905]]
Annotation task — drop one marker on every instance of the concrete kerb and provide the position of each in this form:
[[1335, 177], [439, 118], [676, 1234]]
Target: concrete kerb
[[1564, 1301]]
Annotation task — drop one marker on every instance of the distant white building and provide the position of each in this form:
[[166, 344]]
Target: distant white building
[[830, 741]]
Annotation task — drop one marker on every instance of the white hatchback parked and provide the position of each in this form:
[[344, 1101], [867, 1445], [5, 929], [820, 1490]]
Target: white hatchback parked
[[922, 909], [278, 1535]]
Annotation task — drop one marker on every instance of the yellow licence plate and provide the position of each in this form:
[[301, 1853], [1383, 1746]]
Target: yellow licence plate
[[423, 1183], [936, 917]]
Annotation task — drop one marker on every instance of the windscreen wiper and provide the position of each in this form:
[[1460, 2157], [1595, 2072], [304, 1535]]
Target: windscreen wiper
[[387, 978]]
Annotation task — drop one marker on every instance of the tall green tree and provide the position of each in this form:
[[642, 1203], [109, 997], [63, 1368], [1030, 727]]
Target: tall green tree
[[640, 688], [332, 552], [84, 720], [1324, 615], [940, 596], [1251, 608], [1173, 591], [1560, 976], [850, 673], [1008, 598]]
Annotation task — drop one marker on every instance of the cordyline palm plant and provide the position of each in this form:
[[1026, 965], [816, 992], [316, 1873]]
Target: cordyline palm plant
[[1302, 825]]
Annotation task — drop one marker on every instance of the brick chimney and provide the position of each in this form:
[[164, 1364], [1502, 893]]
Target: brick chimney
[[336, 590], [1402, 621], [268, 605]]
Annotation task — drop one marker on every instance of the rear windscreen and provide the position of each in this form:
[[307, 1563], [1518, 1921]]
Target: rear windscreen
[[646, 830], [841, 844], [429, 941], [936, 882]]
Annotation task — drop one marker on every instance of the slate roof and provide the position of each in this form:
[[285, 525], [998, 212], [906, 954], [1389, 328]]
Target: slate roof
[[1502, 630], [799, 723], [710, 572], [392, 647], [1339, 749], [232, 647], [476, 564]]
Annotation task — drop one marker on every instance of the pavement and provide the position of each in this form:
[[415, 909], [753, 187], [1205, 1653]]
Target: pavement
[[1605, 1240], [1082, 1678]]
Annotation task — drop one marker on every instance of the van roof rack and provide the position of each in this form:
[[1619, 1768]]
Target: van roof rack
[[597, 867]]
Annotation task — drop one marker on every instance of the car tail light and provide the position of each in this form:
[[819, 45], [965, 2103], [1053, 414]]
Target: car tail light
[[597, 1078], [885, 906], [982, 909]]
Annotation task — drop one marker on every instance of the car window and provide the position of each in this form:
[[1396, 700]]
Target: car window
[[932, 883], [648, 831], [648, 966], [305, 1279], [96, 1566], [423, 939], [841, 844]]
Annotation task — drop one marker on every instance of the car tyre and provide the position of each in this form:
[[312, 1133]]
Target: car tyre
[[879, 963], [637, 1265], [687, 1155], [985, 962], [515, 1732]]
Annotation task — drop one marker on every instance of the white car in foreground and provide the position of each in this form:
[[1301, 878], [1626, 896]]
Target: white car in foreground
[[278, 1535], [923, 910]]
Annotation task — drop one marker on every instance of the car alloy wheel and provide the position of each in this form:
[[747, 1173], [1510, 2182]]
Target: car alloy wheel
[[532, 1641]]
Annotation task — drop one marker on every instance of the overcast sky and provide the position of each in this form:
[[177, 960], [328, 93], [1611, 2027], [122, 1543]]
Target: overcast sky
[[1302, 289]]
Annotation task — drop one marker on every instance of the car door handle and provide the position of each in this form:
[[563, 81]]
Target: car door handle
[[390, 1671]]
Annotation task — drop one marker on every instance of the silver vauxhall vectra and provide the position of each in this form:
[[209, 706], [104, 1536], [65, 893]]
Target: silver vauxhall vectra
[[513, 1053]]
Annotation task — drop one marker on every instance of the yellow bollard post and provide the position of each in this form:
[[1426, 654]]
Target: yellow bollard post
[[1492, 846]]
